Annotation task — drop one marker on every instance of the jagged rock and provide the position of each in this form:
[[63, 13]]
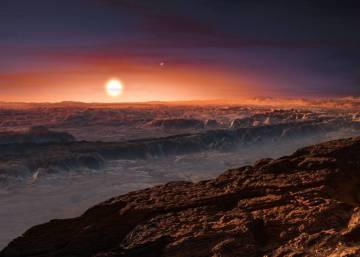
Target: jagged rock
[[352, 233], [241, 123], [305, 204]]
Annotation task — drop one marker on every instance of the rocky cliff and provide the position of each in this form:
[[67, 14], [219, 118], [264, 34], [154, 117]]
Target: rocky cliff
[[305, 204]]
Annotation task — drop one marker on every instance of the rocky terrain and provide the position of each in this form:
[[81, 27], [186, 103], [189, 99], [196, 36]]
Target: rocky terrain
[[64, 158], [36, 135], [119, 122], [305, 204], [25, 154], [177, 124]]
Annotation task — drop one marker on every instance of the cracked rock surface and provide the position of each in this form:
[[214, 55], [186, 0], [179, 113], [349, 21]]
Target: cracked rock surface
[[305, 204]]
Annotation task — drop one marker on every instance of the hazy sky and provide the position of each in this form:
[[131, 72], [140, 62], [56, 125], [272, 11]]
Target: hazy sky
[[55, 50]]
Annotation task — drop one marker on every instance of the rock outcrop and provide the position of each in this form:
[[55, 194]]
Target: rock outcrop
[[35, 135], [305, 204]]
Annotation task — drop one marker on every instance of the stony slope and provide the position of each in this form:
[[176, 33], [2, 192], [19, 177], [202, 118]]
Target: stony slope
[[305, 204]]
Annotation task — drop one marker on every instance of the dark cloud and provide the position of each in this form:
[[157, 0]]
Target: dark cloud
[[295, 24]]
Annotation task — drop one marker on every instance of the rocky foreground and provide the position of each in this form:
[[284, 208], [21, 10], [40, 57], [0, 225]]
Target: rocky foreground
[[305, 204]]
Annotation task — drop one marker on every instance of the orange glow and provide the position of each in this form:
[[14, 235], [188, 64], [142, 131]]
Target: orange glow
[[144, 82], [114, 87]]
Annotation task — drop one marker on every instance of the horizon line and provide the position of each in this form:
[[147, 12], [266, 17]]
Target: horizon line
[[189, 101]]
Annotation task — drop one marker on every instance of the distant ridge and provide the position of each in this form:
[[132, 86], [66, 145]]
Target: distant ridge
[[351, 102]]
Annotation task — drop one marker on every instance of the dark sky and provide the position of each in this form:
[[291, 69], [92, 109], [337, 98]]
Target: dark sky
[[54, 50]]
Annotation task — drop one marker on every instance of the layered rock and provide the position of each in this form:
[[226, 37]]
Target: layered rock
[[35, 134], [48, 155], [305, 204]]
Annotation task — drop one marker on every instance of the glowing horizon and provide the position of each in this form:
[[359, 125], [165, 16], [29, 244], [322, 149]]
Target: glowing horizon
[[164, 51]]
